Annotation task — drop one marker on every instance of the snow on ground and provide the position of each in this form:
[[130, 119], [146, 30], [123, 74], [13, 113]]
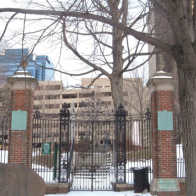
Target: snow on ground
[[44, 172], [102, 193], [48, 175], [179, 151], [3, 156]]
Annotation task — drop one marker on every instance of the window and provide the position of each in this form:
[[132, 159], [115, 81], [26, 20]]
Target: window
[[37, 106], [53, 87], [36, 74], [52, 97], [69, 96], [83, 95], [39, 97], [52, 106]]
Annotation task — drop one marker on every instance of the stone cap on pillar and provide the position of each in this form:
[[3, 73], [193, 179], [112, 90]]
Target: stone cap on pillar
[[22, 80], [161, 81]]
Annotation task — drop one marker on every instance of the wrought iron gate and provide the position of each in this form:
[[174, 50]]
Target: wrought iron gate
[[91, 153], [92, 165]]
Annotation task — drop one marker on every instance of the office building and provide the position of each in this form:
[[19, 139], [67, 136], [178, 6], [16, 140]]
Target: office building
[[37, 64], [51, 95]]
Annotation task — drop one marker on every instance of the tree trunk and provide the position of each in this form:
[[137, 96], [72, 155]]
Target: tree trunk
[[116, 79], [117, 90], [187, 97]]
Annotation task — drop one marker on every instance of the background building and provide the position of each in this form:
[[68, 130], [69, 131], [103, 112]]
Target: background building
[[10, 62], [51, 95]]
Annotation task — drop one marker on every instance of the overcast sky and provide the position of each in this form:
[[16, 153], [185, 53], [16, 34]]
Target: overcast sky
[[41, 49], [67, 63]]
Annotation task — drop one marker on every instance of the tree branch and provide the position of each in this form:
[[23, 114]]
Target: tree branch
[[95, 37], [100, 6], [41, 36], [137, 19], [194, 15], [140, 64], [94, 79], [63, 72], [107, 63], [174, 4], [50, 4], [138, 35], [87, 34], [189, 10], [160, 8], [6, 26], [96, 68]]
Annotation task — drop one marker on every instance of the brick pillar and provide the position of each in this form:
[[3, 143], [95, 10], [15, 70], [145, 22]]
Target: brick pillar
[[20, 132], [165, 180]]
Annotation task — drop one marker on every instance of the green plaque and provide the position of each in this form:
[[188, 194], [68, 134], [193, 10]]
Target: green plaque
[[167, 185], [19, 120], [46, 148], [165, 120]]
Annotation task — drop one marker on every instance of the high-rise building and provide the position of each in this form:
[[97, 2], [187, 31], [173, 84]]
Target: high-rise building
[[37, 64]]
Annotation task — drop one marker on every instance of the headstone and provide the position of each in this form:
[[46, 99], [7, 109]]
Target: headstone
[[20, 180]]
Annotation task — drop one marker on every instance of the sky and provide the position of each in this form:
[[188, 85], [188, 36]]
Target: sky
[[44, 50], [66, 63], [52, 54]]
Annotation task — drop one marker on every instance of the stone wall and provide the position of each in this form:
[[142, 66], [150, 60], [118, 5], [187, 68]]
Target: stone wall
[[54, 188]]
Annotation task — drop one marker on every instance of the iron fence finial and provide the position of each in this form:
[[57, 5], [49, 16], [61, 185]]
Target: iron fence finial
[[36, 113], [148, 113], [121, 111], [64, 111]]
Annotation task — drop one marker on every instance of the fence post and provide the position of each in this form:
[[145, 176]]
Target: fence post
[[120, 142], [20, 134], [163, 135], [64, 143]]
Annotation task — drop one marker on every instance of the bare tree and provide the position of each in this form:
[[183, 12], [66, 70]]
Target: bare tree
[[102, 48], [4, 99], [138, 98], [4, 88], [180, 17]]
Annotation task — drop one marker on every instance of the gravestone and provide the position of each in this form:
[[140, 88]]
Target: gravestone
[[20, 180]]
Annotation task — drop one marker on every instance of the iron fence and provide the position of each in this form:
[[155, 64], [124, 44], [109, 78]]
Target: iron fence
[[181, 172], [85, 149], [90, 155], [139, 145], [92, 166], [45, 131], [4, 140]]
